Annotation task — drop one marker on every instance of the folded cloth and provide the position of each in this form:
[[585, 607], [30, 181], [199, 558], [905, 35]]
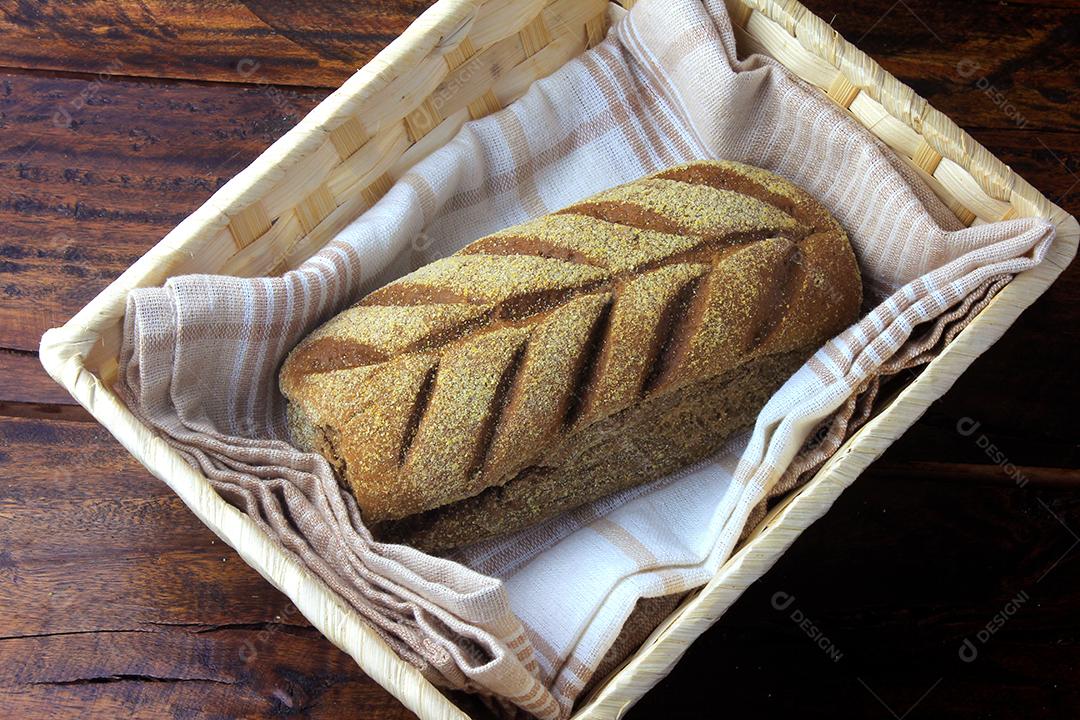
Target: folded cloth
[[526, 620]]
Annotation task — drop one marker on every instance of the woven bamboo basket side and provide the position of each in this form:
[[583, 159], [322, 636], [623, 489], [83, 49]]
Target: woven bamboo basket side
[[326, 611], [482, 65]]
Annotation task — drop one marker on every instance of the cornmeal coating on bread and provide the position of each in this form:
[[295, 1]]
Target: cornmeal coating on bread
[[567, 357]]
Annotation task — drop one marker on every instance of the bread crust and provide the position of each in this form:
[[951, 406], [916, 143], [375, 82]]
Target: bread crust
[[562, 359]]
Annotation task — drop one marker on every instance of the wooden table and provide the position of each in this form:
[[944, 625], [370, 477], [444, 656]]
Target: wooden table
[[945, 582]]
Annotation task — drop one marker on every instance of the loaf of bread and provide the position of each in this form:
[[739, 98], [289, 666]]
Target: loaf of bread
[[574, 355]]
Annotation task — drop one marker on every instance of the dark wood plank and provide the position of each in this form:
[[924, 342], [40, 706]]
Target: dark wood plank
[[272, 41], [117, 599], [224, 672], [80, 201], [1022, 392], [891, 583], [107, 544], [23, 380]]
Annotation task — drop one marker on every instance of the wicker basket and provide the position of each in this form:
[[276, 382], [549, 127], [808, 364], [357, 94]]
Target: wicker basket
[[464, 59]]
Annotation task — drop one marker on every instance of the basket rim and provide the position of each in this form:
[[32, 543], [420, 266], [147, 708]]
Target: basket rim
[[65, 352]]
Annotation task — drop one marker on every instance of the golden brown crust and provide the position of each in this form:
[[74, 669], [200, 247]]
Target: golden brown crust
[[461, 376], [644, 441]]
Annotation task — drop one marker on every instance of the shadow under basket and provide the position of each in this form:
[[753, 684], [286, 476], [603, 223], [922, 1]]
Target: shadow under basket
[[419, 91]]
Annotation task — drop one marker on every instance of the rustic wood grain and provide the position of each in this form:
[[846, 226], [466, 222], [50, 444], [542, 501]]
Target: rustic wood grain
[[23, 380], [900, 573], [85, 511], [306, 44], [83, 195], [118, 119], [118, 600], [264, 670]]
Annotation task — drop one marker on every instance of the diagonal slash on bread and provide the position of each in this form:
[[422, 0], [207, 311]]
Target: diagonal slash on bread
[[562, 359]]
